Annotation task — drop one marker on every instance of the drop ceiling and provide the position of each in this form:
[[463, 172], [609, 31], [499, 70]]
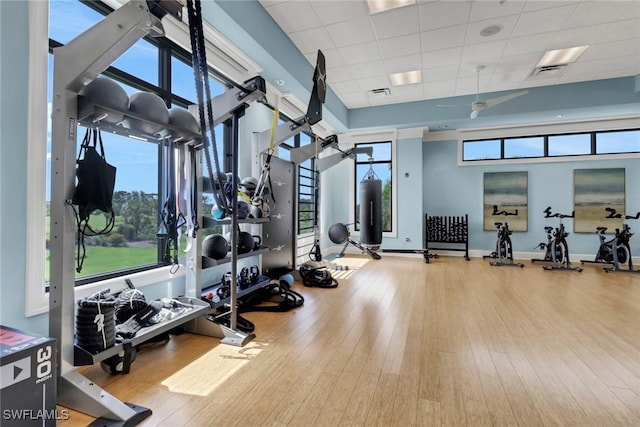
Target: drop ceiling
[[443, 39]]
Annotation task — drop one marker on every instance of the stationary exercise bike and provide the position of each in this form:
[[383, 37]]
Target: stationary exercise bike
[[556, 248], [622, 253], [503, 255], [605, 254]]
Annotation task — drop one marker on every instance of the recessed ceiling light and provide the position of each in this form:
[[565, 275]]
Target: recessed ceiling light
[[279, 82], [491, 30], [377, 6], [561, 56], [406, 78]]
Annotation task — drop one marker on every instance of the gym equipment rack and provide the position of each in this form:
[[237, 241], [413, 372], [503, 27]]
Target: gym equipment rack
[[447, 230]]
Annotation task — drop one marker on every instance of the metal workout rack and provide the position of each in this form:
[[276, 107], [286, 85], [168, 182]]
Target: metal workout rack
[[449, 230]]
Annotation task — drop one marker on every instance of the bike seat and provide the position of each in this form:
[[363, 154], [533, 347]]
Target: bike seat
[[601, 230], [548, 229], [497, 224]]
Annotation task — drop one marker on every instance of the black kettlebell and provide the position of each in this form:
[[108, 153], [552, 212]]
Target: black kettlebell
[[245, 242], [257, 242]]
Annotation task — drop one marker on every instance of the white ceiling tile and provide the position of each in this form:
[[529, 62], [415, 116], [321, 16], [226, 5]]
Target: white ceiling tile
[[311, 40], [621, 30], [528, 44], [351, 33], [534, 5], [611, 50], [368, 69], [440, 89], [444, 38], [441, 58], [360, 53], [338, 74], [633, 10], [442, 14], [542, 21], [628, 65], [408, 93], [355, 100], [507, 23], [578, 36], [439, 73], [400, 46], [397, 22], [596, 12], [404, 63], [371, 83], [482, 53], [294, 16], [483, 10], [341, 88], [332, 12]]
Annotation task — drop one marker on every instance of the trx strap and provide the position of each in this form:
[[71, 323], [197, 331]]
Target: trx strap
[[201, 74]]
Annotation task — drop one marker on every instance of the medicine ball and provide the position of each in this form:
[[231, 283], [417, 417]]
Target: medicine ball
[[151, 107], [106, 92], [248, 185], [286, 280], [243, 209], [338, 233], [217, 213], [245, 242], [184, 120], [214, 246]]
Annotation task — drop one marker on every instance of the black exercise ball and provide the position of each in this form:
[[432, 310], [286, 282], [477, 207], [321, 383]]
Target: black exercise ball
[[338, 233], [214, 246]]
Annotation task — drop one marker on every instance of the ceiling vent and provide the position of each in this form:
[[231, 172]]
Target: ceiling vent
[[381, 93], [547, 71]]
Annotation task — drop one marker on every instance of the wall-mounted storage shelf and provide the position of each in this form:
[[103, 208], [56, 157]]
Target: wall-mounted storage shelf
[[209, 294], [198, 307], [92, 115], [210, 262]]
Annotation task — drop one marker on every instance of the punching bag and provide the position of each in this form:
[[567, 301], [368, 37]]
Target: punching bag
[[371, 211]]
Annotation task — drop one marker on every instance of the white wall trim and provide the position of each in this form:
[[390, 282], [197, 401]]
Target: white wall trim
[[36, 299]]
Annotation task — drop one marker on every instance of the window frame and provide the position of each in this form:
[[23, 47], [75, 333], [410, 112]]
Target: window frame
[[621, 124], [356, 181]]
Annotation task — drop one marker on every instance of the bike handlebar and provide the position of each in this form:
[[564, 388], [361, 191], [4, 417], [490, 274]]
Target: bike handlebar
[[548, 214], [505, 213], [614, 214]]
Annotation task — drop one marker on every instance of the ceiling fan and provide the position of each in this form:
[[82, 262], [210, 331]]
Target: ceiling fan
[[480, 104]]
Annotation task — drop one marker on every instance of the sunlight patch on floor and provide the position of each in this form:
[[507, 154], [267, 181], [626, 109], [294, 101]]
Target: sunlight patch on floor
[[345, 267], [211, 370]]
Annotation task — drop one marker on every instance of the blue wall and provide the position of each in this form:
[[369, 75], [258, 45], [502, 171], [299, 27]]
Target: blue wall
[[450, 189], [14, 87]]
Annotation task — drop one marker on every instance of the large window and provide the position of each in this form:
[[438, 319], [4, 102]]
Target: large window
[[552, 145], [380, 165], [154, 65]]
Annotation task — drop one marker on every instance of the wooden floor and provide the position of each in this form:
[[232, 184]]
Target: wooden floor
[[404, 343]]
